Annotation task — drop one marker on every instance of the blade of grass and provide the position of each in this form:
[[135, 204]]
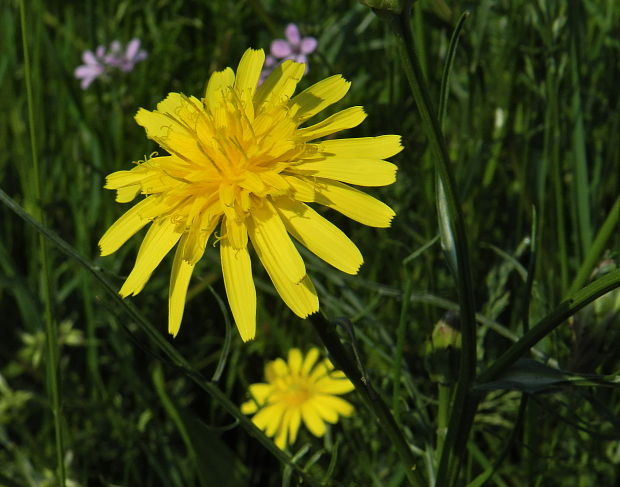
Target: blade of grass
[[531, 269], [594, 252], [51, 332], [447, 68], [581, 197], [551, 164], [400, 344]]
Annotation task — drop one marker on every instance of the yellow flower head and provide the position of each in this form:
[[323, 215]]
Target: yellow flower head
[[299, 390], [239, 159]]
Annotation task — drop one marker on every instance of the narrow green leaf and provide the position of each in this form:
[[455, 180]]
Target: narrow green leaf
[[579, 161], [559, 315], [595, 251]]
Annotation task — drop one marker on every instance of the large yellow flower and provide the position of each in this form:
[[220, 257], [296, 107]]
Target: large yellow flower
[[238, 159], [295, 391]]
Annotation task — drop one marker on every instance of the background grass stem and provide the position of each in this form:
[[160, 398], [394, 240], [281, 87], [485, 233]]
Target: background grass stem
[[51, 333]]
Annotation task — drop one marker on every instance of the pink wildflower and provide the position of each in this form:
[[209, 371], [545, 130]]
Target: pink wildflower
[[100, 64], [125, 61], [294, 47], [93, 67]]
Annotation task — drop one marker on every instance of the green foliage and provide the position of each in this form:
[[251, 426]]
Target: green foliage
[[532, 116]]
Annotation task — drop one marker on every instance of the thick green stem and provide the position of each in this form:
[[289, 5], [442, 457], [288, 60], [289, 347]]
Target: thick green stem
[[460, 424], [445, 395]]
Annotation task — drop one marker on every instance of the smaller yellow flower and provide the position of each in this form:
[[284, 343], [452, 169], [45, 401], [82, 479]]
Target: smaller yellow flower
[[299, 389]]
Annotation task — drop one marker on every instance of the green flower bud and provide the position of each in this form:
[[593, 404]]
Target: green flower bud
[[443, 350]]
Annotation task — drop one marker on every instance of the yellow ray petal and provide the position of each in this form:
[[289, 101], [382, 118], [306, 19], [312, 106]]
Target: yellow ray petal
[[160, 238], [355, 204], [319, 236], [310, 360], [239, 285], [318, 97], [363, 172], [120, 179], [294, 422], [249, 407], [179, 280], [236, 231], [126, 226], [345, 119], [321, 370], [294, 360], [260, 392], [219, 82], [276, 181], [248, 70], [282, 435], [269, 418], [279, 85], [331, 385], [248, 73], [312, 419], [270, 238], [127, 194], [197, 237], [156, 123], [252, 182], [326, 413], [380, 147], [261, 418], [172, 105], [187, 110], [170, 133], [337, 404], [301, 297], [149, 173], [275, 369], [303, 188]]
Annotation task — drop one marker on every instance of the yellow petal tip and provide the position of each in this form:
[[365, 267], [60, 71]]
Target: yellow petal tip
[[247, 333]]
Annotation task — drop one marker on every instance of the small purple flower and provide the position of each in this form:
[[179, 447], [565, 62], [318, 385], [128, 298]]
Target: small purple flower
[[100, 64], [294, 47], [125, 61], [93, 67]]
